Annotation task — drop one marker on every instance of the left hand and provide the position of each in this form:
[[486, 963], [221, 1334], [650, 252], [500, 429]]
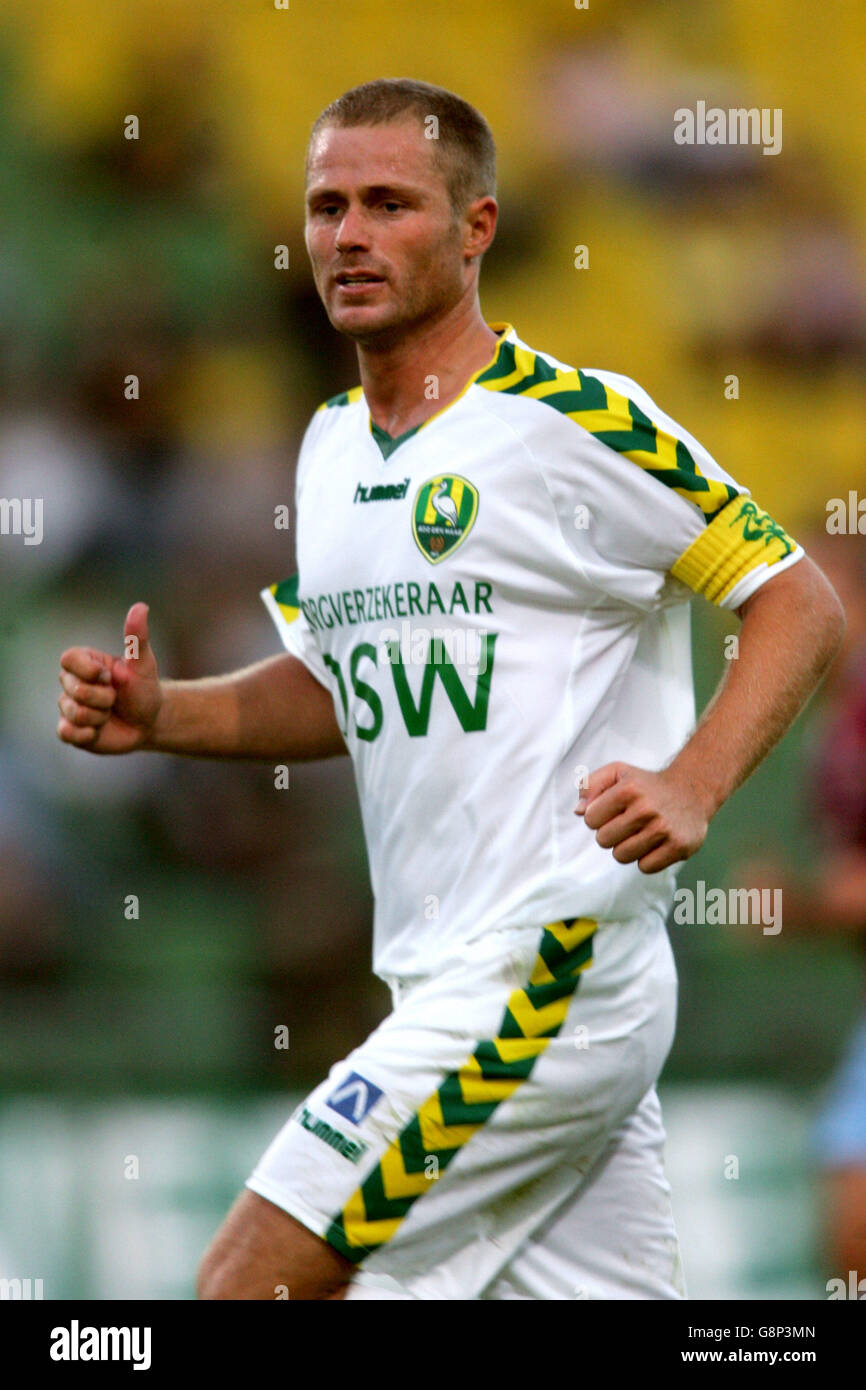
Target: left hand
[[656, 818]]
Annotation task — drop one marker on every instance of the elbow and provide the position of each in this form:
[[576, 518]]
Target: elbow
[[835, 625], [830, 620], [803, 596]]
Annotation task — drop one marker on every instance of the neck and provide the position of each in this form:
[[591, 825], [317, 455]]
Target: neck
[[396, 378]]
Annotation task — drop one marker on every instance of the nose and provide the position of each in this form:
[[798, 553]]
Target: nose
[[351, 232]]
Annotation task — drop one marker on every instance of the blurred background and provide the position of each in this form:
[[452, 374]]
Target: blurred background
[[140, 1080]]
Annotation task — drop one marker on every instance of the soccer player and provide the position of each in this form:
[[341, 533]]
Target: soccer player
[[496, 554]]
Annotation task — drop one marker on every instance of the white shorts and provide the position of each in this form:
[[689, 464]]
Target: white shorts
[[499, 1135]]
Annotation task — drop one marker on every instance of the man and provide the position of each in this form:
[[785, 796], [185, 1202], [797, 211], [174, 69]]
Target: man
[[495, 557]]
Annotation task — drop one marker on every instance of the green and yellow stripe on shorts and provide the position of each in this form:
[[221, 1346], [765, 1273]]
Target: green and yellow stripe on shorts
[[467, 1098]]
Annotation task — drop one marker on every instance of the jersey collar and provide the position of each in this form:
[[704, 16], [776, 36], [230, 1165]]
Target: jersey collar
[[387, 443]]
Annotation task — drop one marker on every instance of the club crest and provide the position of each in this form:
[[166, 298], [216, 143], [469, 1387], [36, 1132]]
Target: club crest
[[443, 515]]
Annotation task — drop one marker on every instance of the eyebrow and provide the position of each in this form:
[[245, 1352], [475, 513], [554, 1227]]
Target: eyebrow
[[375, 190]]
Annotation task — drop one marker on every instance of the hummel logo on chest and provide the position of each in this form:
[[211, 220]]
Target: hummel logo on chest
[[381, 492]]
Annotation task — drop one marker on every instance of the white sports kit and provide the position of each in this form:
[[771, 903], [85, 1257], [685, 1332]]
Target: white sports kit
[[498, 602]]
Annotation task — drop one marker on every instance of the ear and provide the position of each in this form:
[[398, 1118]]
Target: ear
[[479, 222]]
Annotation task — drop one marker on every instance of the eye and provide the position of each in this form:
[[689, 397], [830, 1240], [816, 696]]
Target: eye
[[391, 205]]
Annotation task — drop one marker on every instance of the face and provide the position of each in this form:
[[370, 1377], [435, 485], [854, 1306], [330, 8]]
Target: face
[[386, 249]]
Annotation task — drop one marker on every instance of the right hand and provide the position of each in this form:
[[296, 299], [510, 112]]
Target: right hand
[[110, 704]]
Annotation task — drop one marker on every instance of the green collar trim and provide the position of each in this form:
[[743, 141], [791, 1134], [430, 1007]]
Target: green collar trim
[[389, 442]]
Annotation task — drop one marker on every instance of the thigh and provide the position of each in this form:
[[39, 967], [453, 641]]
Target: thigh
[[469, 1116], [543, 1140], [614, 1237]]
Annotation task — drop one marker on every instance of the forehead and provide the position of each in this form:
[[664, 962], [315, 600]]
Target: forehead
[[354, 156]]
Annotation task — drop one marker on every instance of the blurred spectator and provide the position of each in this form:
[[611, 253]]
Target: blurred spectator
[[609, 111], [831, 899]]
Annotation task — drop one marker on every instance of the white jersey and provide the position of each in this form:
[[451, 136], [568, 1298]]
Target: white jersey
[[498, 602]]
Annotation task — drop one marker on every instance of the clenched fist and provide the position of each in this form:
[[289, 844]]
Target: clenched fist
[[110, 704], [656, 818]]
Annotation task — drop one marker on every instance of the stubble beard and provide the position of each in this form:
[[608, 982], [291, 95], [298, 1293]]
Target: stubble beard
[[411, 307]]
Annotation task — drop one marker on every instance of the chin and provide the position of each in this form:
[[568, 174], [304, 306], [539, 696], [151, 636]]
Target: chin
[[364, 326]]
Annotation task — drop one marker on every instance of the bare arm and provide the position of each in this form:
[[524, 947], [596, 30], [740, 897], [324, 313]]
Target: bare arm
[[274, 709], [792, 627], [791, 630]]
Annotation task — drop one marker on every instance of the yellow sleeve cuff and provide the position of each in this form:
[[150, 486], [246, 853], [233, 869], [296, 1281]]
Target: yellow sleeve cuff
[[736, 541]]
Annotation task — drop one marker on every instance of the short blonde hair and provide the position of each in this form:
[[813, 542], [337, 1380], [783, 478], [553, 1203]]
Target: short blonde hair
[[464, 145]]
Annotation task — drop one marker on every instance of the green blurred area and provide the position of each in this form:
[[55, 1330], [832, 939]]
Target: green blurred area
[[117, 1198], [753, 1004]]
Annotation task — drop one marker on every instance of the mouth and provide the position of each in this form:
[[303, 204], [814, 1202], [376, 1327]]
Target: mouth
[[357, 279]]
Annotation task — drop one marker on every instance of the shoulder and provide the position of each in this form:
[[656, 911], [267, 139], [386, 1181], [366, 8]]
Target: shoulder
[[343, 398], [334, 412], [326, 418], [570, 403], [594, 399]]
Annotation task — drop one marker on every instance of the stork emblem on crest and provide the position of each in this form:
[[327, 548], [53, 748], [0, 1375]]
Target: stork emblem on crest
[[444, 514]]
